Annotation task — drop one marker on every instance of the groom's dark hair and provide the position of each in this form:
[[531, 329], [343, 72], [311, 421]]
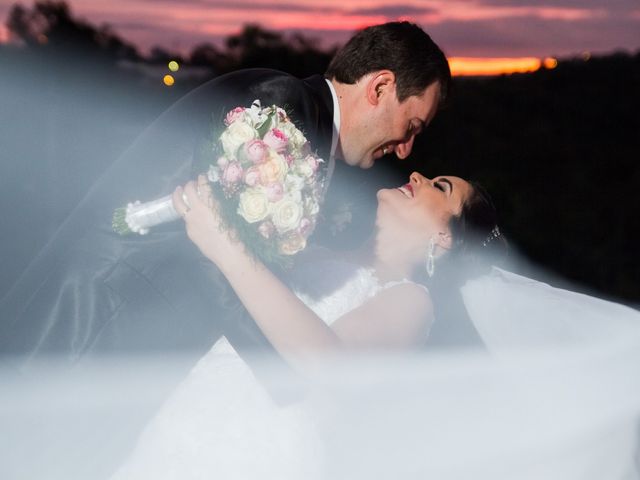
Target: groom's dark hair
[[402, 47]]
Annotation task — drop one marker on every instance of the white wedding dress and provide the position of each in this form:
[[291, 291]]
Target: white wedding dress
[[222, 423]]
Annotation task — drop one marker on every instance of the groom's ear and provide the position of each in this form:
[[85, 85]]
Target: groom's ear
[[381, 83]]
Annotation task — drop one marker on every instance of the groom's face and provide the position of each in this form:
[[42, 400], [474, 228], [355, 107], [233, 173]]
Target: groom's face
[[389, 126]]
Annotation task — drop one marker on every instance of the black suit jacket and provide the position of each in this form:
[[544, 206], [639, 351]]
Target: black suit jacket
[[91, 291]]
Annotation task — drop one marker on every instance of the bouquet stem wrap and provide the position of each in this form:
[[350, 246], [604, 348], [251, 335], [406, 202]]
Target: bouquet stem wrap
[[139, 217]]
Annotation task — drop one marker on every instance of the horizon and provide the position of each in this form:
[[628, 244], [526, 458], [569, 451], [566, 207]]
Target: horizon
[[485, 37]]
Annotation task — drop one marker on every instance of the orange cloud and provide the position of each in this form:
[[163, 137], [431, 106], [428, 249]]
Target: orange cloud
[[465, 66]]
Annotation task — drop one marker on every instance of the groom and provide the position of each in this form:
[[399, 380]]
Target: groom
[[92, 292]]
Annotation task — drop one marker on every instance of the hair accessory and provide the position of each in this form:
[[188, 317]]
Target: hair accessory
[[430, 258], [495, 233]]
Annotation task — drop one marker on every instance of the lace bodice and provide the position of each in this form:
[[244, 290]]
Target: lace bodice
[[337, 288]]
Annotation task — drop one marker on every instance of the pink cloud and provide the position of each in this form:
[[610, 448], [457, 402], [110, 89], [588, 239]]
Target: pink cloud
[[462, 27], [4, 34]]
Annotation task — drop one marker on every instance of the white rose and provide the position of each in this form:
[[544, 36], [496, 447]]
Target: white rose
[[236, 135], [295, 136], [253, 205], [305, 169], [294, 183], [273, 170], [286, 214]]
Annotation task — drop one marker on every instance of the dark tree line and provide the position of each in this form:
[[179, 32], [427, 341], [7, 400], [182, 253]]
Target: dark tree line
[[50, 27]]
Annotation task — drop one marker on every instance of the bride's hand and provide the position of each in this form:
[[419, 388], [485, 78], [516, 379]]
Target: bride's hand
[[200, 214]]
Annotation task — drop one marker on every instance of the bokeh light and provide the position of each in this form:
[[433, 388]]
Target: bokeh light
[[168, 80], [173, 66], [550, 63]]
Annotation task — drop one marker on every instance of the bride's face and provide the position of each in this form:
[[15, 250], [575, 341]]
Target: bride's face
[[423, 207]]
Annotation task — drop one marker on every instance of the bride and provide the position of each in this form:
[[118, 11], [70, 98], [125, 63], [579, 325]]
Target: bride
[[221, 421], [554, 393]]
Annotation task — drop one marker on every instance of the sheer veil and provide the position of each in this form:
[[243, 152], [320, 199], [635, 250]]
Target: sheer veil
[[511, 312], [555, 395]]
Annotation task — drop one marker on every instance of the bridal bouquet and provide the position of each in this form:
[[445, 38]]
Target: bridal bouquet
[[266, 179]]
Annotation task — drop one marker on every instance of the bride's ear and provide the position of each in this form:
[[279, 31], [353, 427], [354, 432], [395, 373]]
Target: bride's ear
[[382, 82], [444, 240]]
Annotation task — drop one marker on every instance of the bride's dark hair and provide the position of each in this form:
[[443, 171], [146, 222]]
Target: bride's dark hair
[[477, 245], [477, 240]]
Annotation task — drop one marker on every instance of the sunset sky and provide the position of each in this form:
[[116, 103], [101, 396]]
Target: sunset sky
[[463, 28]]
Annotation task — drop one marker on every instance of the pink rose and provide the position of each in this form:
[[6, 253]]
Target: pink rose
[[255, 151], [234, 115], [266, 229], [223, 162], [274, 191], [233, 173], [276, 139], [252, 176], [306, 227]]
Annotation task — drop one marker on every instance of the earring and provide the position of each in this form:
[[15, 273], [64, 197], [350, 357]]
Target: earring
[[430, 259]]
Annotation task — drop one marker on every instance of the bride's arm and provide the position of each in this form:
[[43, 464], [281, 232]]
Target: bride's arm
[[392, 318]]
